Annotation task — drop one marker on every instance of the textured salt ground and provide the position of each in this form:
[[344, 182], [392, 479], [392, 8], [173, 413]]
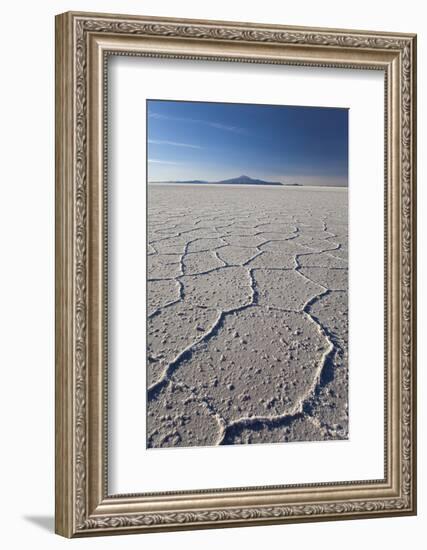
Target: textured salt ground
[[247, 315]]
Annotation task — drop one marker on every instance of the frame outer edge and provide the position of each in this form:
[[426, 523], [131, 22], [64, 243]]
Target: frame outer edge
[[152, 19], [408, 276], [415, 248], [64, 237], [414, 271]]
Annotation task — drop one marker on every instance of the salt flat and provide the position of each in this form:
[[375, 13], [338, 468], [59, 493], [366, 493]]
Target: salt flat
[[247, 314]]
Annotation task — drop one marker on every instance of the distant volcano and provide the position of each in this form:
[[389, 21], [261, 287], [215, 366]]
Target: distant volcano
[[246, 180], [240, 180]]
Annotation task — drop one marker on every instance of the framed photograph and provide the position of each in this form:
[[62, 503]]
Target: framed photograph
[[235, 274]]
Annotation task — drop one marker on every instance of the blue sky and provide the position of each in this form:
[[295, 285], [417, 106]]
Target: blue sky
[[214, 141]]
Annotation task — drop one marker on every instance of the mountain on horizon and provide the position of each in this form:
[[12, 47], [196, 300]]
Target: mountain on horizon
[[246, 180], [240, 180]]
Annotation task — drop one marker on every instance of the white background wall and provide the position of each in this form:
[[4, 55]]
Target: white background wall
[[27, 273]]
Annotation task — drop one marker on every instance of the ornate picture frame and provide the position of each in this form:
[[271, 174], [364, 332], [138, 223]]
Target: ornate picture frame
[[84, 42]]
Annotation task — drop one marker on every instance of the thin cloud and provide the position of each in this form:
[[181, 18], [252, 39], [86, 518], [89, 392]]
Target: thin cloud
[[159, 161], [216, 125], [173, 143], [220, 126]]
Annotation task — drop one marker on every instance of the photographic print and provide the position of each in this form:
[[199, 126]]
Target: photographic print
[[247, 285]]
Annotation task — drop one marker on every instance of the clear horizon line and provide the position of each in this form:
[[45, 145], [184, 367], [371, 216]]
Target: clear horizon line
[[284, 180], [266, 183]]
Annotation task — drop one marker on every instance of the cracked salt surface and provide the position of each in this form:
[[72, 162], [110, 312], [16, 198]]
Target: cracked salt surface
[[247, 315]]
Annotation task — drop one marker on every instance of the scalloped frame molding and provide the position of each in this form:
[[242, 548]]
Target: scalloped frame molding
[[83, 42]]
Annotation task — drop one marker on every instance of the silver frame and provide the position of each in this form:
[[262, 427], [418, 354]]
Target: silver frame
[[83, 43]]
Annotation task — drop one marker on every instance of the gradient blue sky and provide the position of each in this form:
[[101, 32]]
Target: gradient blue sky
[[214, 141]]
